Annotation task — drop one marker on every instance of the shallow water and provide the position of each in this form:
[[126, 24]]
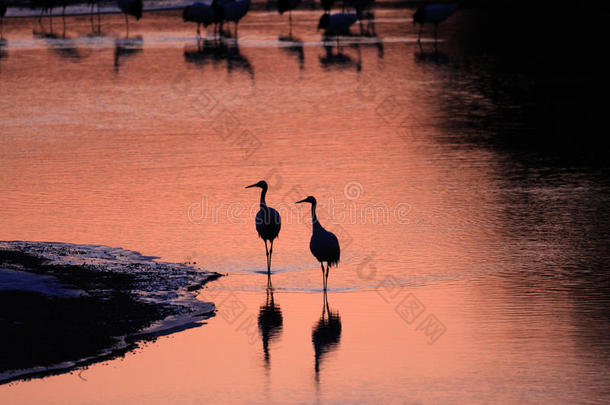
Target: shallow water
[[468, 274]]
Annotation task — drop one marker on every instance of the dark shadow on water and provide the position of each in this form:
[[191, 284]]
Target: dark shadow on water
[[326, 334], [270, 321], [534, 74], [295, 47], [3, 49], [424, 55], [125, 48], [214, 52], [66, 48]]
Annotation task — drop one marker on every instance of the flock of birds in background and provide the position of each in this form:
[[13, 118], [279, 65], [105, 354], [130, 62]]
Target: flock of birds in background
[[220, 12]]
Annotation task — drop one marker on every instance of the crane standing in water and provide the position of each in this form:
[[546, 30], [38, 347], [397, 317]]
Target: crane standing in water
[[323, 245], [202, 13], [233, 10], [433, 13], [268, 222], [288, 5]]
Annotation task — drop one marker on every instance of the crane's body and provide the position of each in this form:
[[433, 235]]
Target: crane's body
[[234, 10], [201, 13], [337, 24], [323, 244], [268, 222], [434, 14]]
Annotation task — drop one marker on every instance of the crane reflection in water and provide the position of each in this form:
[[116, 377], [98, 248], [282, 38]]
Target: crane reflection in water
[[326, 334], [270, 321]]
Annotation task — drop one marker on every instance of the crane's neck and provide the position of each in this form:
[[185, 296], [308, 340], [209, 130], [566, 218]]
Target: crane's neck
[[263, 193], [314, 218]]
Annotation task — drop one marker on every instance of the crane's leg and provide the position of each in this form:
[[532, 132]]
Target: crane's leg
[[51, 19], [323, 281], [63, 17], [40, 18], [290, 22], [91, 16], [236, 24], [267, 253], [127, 25], [435, 33], [198, 30], [326, 277], [270, 254]]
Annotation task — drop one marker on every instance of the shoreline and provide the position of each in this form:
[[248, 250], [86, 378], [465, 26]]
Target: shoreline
[[89, 303]]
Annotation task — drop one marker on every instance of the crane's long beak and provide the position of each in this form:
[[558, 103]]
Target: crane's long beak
[[302, 201], [251, 185]]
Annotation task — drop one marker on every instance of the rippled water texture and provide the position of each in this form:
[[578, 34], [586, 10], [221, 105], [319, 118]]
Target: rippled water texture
[[469, 273]]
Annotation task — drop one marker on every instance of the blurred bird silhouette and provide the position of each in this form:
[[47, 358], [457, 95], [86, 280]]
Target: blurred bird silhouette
[[288, 5], [130, 7], [327, 5], [202, 13], [268, 222], [233, 11], [337, 24], [323, 245], [2, 14], [434, 14], [326, 334]]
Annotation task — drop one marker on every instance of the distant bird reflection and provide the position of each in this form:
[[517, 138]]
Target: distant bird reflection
[[270, 320], [326, 334], [65, 48], [3, 53], [124, 48], [434, 57], [216, 51], [293, 46], [339, 59]]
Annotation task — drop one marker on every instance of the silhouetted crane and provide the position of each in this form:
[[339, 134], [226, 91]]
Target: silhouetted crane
[[433, 13], [268, 222], [234, 10], [288, 5], [324, 245], [201, 13], [337, 24], [327, 5], [130, 7]]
